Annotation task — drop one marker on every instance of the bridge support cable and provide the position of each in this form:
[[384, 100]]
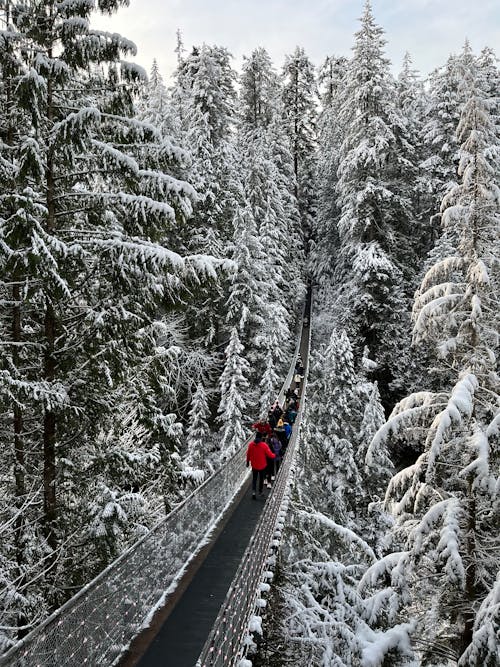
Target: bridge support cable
[[228, 641], [96, 626]]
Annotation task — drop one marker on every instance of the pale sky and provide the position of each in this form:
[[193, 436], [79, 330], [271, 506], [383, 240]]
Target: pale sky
[[429, 29]]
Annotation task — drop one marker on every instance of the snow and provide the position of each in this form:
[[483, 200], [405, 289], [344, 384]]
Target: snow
[[444, 267], [377, 644], [133, 71], [485, 646], [345, 532], [494, 426], [460, 405], [118, 343], [255, 624], [380, 569], [449, 543]]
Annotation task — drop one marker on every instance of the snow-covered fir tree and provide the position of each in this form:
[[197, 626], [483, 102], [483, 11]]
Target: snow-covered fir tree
[[205, 86], [153, 242], [440, 124], [233, 384], [325, 555], [445, 502], [87, 230], [325, 239], [411, 102], [198, 455], [375, 225], [268, 175], [245, 303], [154, 105], [300, 97], [467, 282]]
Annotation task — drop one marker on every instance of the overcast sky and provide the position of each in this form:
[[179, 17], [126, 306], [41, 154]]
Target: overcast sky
[[428, 29]]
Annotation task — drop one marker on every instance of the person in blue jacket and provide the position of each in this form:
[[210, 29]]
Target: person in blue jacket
[[288, 429]]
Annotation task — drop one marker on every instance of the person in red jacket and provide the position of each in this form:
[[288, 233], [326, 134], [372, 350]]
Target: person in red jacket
[[257, 454]]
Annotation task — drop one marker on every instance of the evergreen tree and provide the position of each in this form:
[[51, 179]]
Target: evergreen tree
[[259, 91], [153, 105], [325, 555], [445, 503], [233, 384], [86, 229], [300, 116], [325, 243], [198, 460], [378, 466], [466, 283], [440, 124], [268, 386], [376, 223], [205, 90], [245, 304], [411, 101], [267, 168]]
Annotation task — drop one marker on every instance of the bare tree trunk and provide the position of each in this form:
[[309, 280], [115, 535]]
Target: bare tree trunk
[[470, 593], [49, 420], [16, 324], [19, 451]]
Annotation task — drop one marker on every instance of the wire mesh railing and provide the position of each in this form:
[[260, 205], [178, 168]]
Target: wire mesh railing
[[97, 625], [227, 642]]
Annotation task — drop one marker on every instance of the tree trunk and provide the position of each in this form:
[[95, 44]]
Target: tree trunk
[[19, 451], [470, 593], [49, 420], [17, 421]]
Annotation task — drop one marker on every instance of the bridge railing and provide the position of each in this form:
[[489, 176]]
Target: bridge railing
[[226, 644], [96, 626]]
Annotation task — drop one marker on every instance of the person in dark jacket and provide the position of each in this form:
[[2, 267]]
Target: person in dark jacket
[[288, 429], [273, 465], [291, 415], [274, 414], [272, 419], [281, 434], [257, 454]]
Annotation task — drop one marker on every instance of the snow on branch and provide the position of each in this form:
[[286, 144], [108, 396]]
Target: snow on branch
[[400, 482], [494, 426], [100, 40], [418, 399], [197, 267], [345, 533], [478, 273], [479, 468], [139, 205], [450, 513], [401, 423], [53, 395], [132, 71], [434, 292], [441, 269], [377, 644], [439, 306], [460, 404], [483, 649], [380, 570]]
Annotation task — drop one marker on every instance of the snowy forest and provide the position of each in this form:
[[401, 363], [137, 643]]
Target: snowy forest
[[156, 242]]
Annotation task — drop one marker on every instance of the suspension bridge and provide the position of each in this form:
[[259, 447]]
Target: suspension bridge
[[189, 593]]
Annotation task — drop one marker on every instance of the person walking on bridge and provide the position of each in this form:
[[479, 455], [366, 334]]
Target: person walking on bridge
[[257, 454]]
